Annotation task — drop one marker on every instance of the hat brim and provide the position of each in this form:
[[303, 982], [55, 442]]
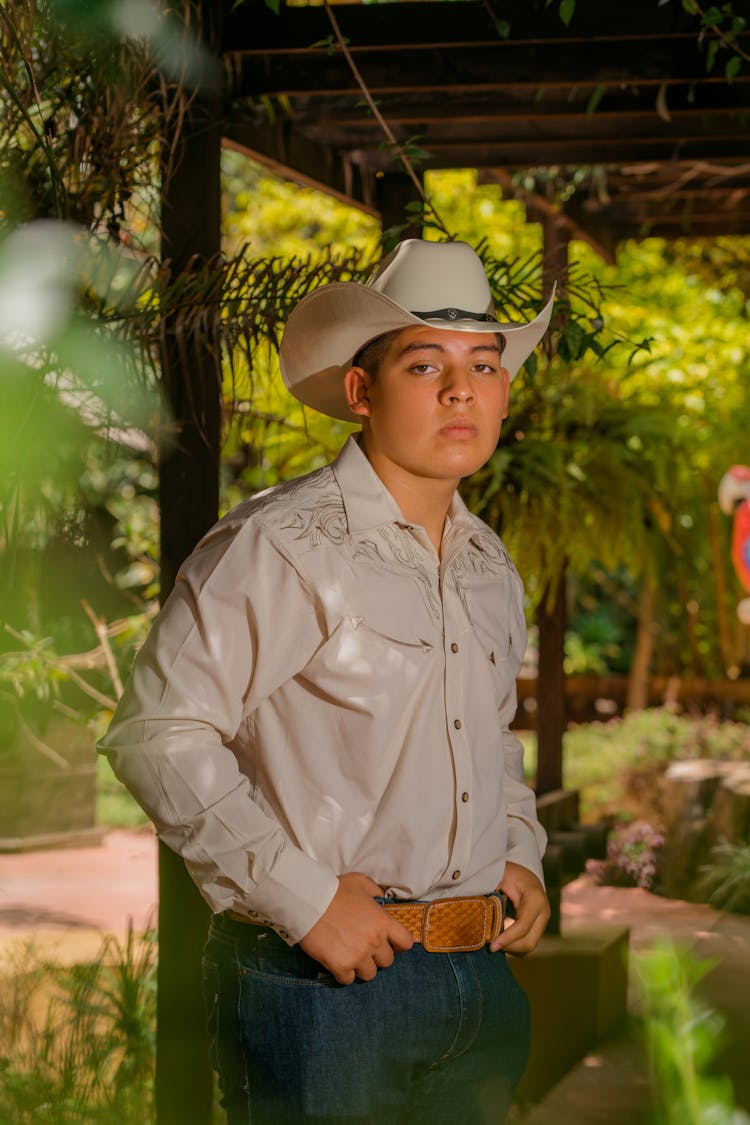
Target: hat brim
[[328, 327]]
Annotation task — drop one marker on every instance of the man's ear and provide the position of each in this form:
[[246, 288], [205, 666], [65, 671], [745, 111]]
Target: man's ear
[[506, 380], [357, 385]]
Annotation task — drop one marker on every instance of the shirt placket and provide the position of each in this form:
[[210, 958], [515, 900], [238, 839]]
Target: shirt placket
[[454, 627]]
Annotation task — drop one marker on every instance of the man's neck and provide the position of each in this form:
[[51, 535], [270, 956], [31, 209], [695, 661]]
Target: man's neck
[[424, 501]]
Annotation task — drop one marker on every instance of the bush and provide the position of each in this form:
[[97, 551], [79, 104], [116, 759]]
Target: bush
[[633, 857], [617, 765]]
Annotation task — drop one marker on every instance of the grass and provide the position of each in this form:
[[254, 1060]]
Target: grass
[[77, 1043]]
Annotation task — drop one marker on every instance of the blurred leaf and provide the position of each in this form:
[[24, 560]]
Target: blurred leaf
[[733, 67], [595, 98], [567, 9]]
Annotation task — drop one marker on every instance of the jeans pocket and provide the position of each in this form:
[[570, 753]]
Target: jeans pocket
[[275, 960]]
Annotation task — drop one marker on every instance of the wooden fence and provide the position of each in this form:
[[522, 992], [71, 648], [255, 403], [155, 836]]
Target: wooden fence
[[589, 698]]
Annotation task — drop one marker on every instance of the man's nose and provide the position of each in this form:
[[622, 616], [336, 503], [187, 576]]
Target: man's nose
[[458, 386]]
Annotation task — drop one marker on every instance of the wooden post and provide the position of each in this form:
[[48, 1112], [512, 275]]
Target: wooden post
[[551, 615], [189, 501], [551, 717]]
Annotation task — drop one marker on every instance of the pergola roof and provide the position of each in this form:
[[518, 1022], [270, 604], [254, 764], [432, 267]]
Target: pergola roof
[[625, 89]]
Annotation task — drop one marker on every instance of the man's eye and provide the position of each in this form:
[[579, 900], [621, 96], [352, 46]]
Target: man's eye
[[421, 368], [485, 368]]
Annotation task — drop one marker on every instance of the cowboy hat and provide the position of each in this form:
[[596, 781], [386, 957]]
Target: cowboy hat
[[439, 284]]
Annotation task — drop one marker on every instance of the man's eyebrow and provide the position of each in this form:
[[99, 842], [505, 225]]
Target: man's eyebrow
[[415, 346]]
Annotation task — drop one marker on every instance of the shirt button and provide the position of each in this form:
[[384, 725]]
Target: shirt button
[[457, 724], [456, 875], [454, 647], [464, 797]]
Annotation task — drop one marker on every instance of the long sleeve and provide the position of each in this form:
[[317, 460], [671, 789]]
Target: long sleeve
[[239, 622], [526, 837]]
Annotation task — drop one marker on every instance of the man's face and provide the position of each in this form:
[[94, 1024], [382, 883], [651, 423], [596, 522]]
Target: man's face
[[437, 404]]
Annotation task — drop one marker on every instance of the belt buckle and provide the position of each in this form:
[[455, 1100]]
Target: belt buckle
[[473, 921]]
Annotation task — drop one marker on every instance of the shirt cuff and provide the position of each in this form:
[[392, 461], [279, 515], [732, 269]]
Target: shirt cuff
[[526, 844], [295, 895]]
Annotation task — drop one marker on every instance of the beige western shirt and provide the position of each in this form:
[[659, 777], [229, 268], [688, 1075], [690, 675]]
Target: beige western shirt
[[322, 694]]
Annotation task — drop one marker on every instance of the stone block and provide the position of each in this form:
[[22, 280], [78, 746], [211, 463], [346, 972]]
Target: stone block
[[577, 987]]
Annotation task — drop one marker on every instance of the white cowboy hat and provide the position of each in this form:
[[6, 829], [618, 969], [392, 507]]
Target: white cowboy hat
[[440, 284]]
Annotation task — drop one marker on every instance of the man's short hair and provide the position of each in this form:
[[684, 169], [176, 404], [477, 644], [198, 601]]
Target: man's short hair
[[371, 355]]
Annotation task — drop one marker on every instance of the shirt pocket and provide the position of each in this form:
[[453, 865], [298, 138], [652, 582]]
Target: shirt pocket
[[373, 651], [489, 624]]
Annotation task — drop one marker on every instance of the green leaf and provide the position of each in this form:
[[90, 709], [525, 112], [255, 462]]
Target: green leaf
[[713, 47], [567, 8], [732, 68], [595, 98], [502, 27], [712, 17], [274, 5], [690, 7]]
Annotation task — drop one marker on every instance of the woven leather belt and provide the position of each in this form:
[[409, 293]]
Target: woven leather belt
[[452, 925], [446, 925]]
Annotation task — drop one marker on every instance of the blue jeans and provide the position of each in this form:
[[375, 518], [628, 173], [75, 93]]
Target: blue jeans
[[438, 1038]]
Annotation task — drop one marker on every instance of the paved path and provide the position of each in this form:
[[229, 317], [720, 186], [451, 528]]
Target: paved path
[[67, 899]]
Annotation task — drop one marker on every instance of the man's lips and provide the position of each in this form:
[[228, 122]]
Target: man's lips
[[459, 427]]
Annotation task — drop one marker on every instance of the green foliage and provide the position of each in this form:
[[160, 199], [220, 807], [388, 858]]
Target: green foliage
[[266, 216], [616, 765], [725, 880], [580, 474], [77, 1044], [683, 1036]]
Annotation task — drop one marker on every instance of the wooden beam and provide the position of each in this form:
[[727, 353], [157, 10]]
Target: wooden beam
[[571, 153], [293, 156], [252, 25], [497, 68]]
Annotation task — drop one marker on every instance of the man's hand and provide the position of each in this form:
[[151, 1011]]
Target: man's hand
[[356, 937], [532, 911]]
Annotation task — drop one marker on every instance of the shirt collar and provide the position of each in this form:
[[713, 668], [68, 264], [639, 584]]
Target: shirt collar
[[368, 503]]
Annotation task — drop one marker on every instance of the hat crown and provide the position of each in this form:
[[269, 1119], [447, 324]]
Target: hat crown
[[424, 276]]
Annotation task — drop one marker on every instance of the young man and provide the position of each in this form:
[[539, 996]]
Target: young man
[[319, 725]]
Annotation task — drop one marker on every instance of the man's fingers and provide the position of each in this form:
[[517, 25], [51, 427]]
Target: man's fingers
[[523, 934], [384, 957], [399, 937]]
